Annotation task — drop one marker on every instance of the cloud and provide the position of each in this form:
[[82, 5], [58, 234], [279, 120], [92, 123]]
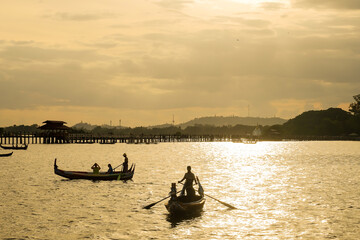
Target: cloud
[[241, 21], [334, 4], [33, 53], [174, 4], [221, 69], [272, 5], [80, 17]]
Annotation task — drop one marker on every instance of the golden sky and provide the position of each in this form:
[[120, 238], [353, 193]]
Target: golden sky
[[142, 62]]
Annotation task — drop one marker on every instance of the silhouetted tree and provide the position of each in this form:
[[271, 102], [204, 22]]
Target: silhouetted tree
[[354, 107]]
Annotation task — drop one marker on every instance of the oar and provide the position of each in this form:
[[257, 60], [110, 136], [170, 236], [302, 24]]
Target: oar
[[119, 177], [153, 204], [226, 204], [117, 167]]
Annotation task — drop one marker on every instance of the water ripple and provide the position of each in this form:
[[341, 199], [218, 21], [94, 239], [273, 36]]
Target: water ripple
[[283, 190]]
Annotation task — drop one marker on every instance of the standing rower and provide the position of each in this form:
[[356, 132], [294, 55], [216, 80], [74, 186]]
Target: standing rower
[[189, 178], [125, 163]]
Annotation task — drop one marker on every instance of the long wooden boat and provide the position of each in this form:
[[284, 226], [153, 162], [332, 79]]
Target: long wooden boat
[[6, 154], [117, 175], [15, 147]]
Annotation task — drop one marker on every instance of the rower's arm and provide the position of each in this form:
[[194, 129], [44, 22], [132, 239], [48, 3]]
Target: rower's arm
[[193, 176], [182, 179]]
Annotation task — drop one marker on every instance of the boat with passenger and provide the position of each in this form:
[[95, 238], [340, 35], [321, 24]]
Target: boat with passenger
[[116, 175], [185, 204]]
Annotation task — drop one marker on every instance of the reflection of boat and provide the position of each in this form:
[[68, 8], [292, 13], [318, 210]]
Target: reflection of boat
[[185, 205], [117, 175], [6, 154], [15, 147], [175, 220]]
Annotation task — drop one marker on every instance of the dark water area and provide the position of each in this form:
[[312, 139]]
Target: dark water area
[[282, 190]]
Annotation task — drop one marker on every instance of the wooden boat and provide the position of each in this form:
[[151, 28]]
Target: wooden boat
[[6, 154], [117, 175], [185, 205], [15, 147]]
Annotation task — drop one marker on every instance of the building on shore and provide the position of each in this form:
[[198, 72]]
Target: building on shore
[[55, 132]]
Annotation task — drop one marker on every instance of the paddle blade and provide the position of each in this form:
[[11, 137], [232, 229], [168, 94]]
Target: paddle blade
[[224, 203], [228, 205], [201, 189], [149, 206]]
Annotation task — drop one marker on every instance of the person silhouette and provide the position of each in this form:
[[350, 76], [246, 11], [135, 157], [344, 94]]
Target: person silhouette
[[125, 163], [189, 178], [96, 168]]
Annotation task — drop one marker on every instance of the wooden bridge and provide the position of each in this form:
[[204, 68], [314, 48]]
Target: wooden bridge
[[61, 138], [55, 132]]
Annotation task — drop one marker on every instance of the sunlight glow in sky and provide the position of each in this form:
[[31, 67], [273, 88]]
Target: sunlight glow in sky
[[145, 61]]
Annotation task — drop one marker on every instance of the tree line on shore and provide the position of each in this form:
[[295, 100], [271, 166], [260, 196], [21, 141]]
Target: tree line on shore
[[330, 122]]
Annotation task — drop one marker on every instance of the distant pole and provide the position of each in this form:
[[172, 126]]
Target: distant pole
[[249, 110], [120, 123], [173, 121], [110, 123]]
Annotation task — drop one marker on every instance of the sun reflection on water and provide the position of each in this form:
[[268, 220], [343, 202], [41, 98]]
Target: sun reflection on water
[[279, 188], [247, 176]]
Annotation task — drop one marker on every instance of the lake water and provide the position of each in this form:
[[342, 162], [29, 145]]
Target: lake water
[[282, 190]]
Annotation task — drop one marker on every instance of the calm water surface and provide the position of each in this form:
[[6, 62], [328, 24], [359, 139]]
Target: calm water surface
[[283, 190]]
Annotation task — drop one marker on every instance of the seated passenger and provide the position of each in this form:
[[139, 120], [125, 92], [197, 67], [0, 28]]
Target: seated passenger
[[110, 170], [96, 168], [173, 191]]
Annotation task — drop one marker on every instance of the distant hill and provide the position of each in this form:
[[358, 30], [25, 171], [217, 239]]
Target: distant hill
[[330, 122], [233, 120], [166, 125], [89, 127], [213, 121], [85, 126]]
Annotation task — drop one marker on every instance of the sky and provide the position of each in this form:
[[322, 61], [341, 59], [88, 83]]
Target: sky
[[141, 63]]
